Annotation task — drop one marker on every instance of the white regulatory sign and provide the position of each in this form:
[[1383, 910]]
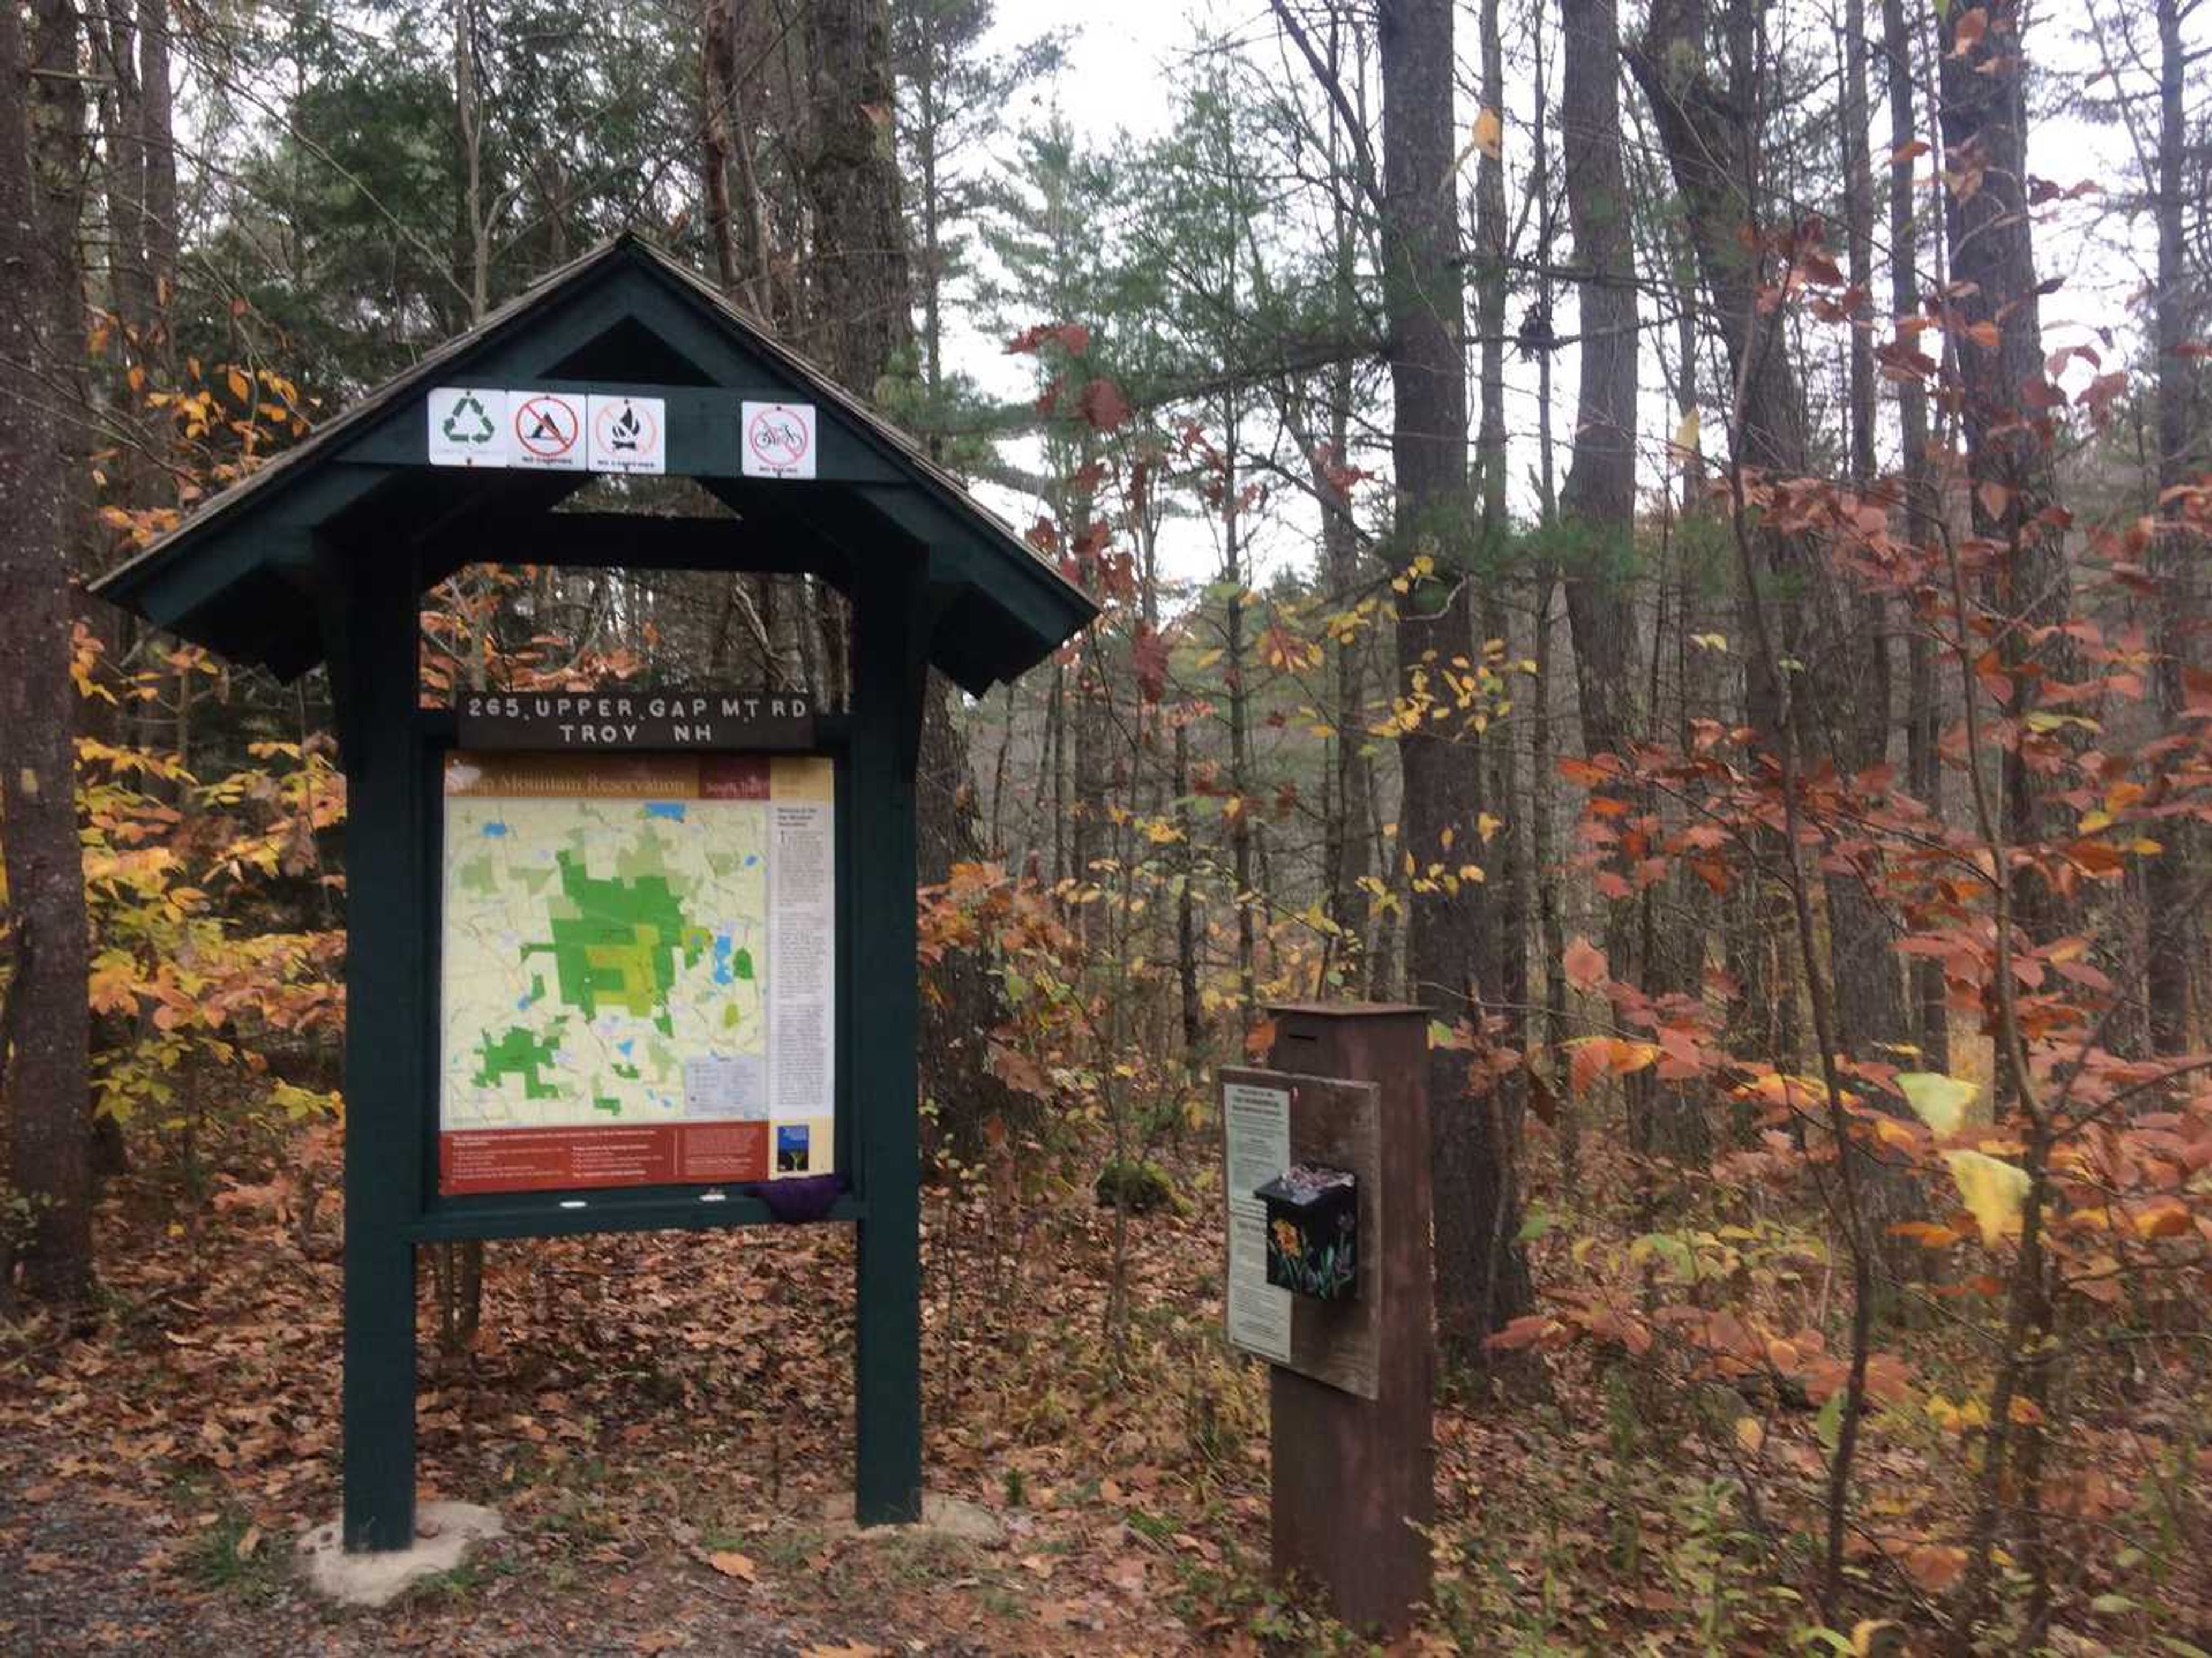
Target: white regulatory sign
[[1257, 1124], [468, 426], [779, 440], [547, 430], [627, 434]]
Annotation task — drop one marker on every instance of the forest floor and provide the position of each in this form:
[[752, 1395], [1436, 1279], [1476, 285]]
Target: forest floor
[[661, 1420]]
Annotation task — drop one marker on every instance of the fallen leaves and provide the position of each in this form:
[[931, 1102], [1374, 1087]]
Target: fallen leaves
[[731, 1564]]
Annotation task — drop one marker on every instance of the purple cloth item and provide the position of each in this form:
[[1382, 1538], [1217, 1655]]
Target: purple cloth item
[[808, 1197]]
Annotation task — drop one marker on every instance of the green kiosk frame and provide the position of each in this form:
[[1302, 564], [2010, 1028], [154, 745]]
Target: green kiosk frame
[[322, 556]]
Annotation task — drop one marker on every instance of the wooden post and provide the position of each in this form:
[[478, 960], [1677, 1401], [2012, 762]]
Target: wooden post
[[387, 897], [1354, 1477], [889, 662]]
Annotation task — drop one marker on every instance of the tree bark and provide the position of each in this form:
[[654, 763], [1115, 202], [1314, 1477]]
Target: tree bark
[[1482, 1278], [2175, 938], [158, 144], [2005, 399], [1599, 500], [716, 59], [1924, 724], [860, 269], [861, 297], [46, 1031]]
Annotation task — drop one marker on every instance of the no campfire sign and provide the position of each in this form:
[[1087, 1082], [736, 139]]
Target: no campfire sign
[[779, 440], [628, 435]]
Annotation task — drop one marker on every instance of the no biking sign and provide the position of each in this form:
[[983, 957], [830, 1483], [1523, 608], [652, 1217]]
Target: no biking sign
[[779, 440]]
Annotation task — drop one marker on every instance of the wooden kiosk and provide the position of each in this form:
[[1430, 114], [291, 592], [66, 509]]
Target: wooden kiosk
[[621, 362]]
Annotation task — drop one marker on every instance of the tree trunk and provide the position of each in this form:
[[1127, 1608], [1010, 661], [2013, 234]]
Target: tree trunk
[[475, 249], [157, 117], [1924, 724], [2168, 878], [861, 294], [1240, 764], [2005, 399], [1348, 850], [1482, 1278], [1599, 501], [44, 1027], [122, 123], [716, 57], [861, 281]]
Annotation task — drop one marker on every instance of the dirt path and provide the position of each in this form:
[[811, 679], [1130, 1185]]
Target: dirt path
[[86, 1572]]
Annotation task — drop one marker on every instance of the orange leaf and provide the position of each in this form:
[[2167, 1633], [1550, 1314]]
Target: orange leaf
[[1934, 1567], [2167, 1218], [1259, 1038], [1583, 963]]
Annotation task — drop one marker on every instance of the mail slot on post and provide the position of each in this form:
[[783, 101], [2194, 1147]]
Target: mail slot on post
[[1313, 1231]]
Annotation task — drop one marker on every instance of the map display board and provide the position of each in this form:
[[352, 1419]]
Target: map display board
[[637, 971]]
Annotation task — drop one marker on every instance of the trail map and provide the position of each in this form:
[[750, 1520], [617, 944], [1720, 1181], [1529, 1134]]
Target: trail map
[[636, 971]]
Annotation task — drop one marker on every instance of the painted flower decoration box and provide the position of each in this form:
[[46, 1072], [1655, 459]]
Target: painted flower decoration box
[[1313, 1231]]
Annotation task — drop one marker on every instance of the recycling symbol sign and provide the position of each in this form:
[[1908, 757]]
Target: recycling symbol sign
[[467, 427], [469, 423]]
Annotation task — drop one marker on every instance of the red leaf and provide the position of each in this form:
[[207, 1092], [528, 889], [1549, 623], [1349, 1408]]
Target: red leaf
[[1152, 664], [1103, 405]]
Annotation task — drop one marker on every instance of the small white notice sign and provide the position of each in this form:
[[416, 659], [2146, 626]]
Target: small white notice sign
[[467, 425], [779, 440], [1257, 1120], [547, 429], [627, 434]]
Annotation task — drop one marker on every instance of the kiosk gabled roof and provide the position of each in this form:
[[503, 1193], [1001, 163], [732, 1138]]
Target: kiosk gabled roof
[[253, 573]]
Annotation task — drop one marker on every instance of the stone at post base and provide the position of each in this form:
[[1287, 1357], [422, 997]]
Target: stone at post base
[[942, 1516], [443, 1533]]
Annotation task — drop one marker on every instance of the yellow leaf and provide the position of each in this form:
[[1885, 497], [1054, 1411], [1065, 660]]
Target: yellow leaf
[[1685, 435], [1939, 1101], [1490, 134], [1867, 1637], [1749, 1434], [241, 387], [1992, 1190]]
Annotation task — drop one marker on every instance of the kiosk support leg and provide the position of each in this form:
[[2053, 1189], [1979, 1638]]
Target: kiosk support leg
[[386, 900], [888, 672]]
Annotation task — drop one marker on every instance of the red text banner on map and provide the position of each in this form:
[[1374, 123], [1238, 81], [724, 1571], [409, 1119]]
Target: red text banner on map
[[636, 971]]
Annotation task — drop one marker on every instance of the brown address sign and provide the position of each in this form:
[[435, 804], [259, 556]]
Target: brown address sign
[[635, 719]]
